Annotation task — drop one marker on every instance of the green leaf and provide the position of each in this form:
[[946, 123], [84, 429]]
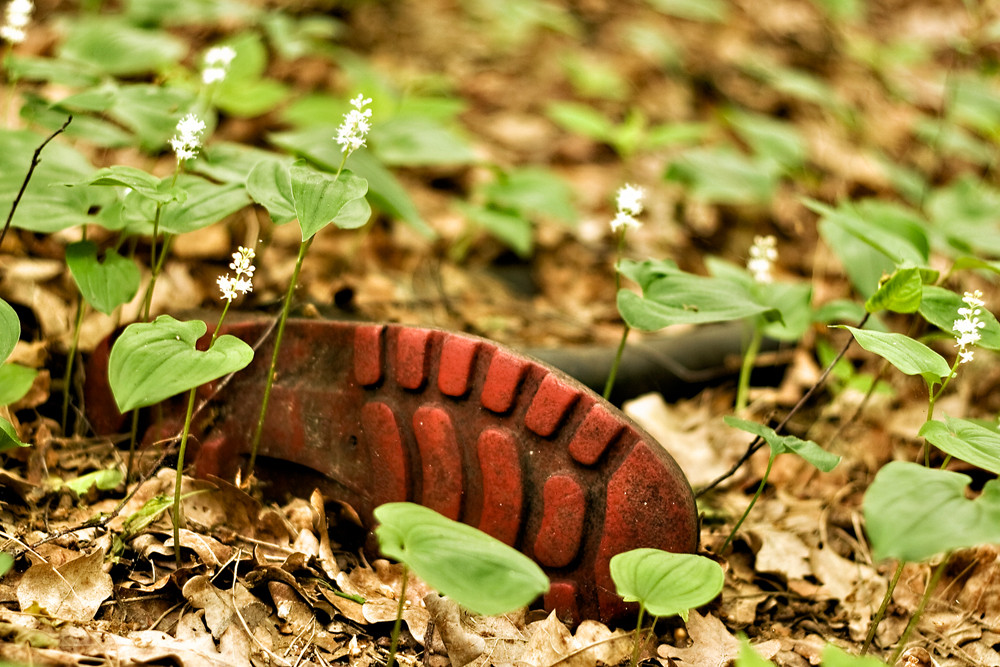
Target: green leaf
[[664, 583], [513, 230], [114, 46], [320, 199], [477, 571], [416, 141], [909, 356], [964, 212], [647, 271], [270, 185], [782, 444], [129, 177], [794, 302], [721, 175], [10, 329], [15, 381], [245, 92], [153, 361], [939, 306], [776, 140], [708, 11], [889, 230], [151, 112], [102, 479], [104, 285], [913, 513], [836, 657], [8, 436], [6, 563], [683, 298], [965, 440], [53, 70], [581, 119], [749, 657], [532, 192], [206, 204], [228, 162], [901, 293]]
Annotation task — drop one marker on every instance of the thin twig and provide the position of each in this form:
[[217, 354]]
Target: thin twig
[[35, 160], [758, 442]]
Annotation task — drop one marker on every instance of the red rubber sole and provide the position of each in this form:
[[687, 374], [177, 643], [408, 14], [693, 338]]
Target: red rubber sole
[[470, 429]]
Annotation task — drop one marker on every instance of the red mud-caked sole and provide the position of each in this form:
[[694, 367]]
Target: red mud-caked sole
[[468, 428]]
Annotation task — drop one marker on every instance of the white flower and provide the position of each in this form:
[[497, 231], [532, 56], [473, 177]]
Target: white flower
[[217, 61], [243, 282], [967, 328], [352, 132], [188, 138], [763, 254], [629, 203], [16, 19], [629, 199]]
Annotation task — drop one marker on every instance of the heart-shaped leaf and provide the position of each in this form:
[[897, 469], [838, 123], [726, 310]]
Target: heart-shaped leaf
[[901, 293], [15, 381], [939, 306], [107, 285], [152, 361], [270, 185], [129, 177], [666, 583], [320, 199], [782, 444], [913, 513], [965, 440], [10, 329], [909, 356], [475, 570]]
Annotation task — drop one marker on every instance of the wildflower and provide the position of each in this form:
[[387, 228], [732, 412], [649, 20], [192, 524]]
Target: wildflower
[[629, 203], [217, 61], [188, 138], [16, 19], [351, 133], [243, 281], [762, 255], [967, 329]]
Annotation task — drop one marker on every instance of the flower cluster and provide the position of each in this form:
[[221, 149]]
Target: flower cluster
[[967, 329], [188, 138], [763, 254], [16, 19], [629, 203], [357, 122], [243, 281], [217, 61]]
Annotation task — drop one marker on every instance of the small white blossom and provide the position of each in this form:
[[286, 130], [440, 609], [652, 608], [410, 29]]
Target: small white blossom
[[16, 18], [243, 282], [629, 203], [629, 199], [763, 254], [967, 329], [188, 138], [352, 132], [217, 61]]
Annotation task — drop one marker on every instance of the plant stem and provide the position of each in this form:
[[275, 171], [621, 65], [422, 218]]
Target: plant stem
[[179, 477], [749, 359], [638, 633], [255, 443], [394, 641], [746, 513], [133, 436], [70, 359], [928, 592], [881, 610], [613, 373]]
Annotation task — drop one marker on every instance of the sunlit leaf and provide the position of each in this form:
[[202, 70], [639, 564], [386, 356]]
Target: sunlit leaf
[[8, 436], [270, 185], [104, 285], [901, 293], [808, 450], [665, 583], [10, 329], [939, 306], [15, 381], [102, 479], [114, 46], [475, 570], [965, 440], [907, 355], [321, 199]]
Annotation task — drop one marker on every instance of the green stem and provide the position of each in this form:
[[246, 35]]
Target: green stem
[[179, 477], [881, 610], [255, 443], [928, 592], [746, 513], [749, 360], [932, 398], [133, 436], [70, 359], [147, 299], [613, 373], [638, 633], [394, 641]]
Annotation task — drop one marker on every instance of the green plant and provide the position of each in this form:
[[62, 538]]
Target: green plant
[[475, 570], [664, 584]]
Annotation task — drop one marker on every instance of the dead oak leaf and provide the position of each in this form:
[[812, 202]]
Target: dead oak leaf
[[72, 592], [552, 644], [712, 645]]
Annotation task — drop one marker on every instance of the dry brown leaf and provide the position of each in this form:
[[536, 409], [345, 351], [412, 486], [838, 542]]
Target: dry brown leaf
[[462, 645], [73, 592], [552, 645], [712, 645], [782, 552]]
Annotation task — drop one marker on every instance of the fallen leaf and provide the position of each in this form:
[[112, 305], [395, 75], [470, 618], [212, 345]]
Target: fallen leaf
[[72, 592], [552, 643], [712, 645]]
